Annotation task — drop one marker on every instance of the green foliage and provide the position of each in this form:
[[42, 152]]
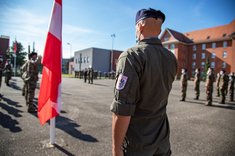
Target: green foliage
[[20, 54]]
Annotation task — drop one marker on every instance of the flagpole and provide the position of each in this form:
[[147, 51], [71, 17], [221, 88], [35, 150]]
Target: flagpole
[[52, 131], [15, 64]]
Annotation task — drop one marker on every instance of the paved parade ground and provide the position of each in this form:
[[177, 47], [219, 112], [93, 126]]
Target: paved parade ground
[[84, 127]]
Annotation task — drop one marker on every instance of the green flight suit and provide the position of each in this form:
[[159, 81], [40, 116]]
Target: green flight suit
[[144, 78]]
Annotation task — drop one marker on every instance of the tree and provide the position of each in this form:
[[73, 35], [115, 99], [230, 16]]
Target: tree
[[20, 54]]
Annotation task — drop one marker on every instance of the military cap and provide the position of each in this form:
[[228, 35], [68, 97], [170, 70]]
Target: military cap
[[149, 13]]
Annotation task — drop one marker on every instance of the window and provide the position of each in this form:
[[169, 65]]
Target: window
[[225, 44], [213, 55], [203, 55], [88, 59], [76, 61], [194, 56], [194, 47], [84, 59], [224, 65], [213, 45], [193, 65], [203, 46], [172, 48], [202, 64], [224, 54], [212, 64]]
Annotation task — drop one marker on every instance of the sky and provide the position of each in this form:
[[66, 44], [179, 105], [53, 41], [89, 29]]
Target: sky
[[90, 23]]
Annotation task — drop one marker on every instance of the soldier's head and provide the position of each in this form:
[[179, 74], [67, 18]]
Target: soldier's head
[[148, 23], [222, 72], [197, 70], [33, 56], [210, 70]]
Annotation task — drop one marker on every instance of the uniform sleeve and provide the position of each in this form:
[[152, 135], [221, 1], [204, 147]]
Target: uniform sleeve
[[126, 90]]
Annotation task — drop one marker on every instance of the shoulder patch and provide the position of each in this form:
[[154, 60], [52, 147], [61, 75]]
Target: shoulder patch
[[121, 82]]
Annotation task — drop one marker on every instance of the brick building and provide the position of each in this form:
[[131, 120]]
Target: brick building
[[4, 45], [214, 46]]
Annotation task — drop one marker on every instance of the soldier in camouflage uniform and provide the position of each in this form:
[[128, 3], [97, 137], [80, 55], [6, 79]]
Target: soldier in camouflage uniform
[[184, 83], [231, 86], [90, 75], [217, 84], [24, 74], [31, 81], [223, 85], [197, 83], [209, 86], [8, 72]]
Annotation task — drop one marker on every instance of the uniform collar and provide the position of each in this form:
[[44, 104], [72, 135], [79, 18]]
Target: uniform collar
[[152, 40]]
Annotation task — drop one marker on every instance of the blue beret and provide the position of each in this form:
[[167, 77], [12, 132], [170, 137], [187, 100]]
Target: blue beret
[[149, 13]]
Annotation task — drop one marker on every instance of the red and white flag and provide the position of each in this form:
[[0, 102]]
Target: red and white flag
[[15, 46], [49, 100]]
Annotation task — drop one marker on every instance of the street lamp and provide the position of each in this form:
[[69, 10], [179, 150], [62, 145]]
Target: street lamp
[[111, 66], [70, 49]]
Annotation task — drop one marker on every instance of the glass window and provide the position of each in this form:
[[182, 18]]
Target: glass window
[[213, 45], [84, 59], [193, 65], [224, 54], [212, 64], [202, 64], [194, 56], [194, 47], [203, 46], [213, 55], [88, 59], [166, 38], [225, 44], [224, 65], [172, 48], [203, 55]]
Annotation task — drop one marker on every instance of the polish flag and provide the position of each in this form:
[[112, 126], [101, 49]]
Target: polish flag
[[49, 100]]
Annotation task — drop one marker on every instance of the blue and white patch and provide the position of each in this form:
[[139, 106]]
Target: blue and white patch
[[121, 82]]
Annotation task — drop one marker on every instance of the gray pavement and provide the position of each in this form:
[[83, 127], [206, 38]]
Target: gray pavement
[[84, 127]]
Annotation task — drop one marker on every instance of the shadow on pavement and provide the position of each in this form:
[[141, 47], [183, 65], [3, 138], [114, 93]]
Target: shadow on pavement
[[70, 126], [14, 86], [63, 150], [9, 123], [11, 110]]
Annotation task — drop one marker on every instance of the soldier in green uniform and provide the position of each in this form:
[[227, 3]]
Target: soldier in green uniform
[[231, 86], [90, 75], [31, 81], [197, 83], [223, 85], [8, 72], [184, 83], [210, 78], [217, 84], [24, 75], [144, 78]]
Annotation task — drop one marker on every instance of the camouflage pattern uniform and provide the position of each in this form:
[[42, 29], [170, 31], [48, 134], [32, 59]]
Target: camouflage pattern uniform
[[23, 74], [209, 87], [184, 84], [85, 75], [217, 84], [90, 75], [223, 86], [231, 86], [31, 79], [197, 83], [8, 73]]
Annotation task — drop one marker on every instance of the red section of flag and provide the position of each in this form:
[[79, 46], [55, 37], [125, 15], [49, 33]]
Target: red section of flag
[[15, 47], [49, 100], [59, 1]]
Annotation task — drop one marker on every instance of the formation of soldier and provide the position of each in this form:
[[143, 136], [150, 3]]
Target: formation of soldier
[[224, 85], [30, 77]]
